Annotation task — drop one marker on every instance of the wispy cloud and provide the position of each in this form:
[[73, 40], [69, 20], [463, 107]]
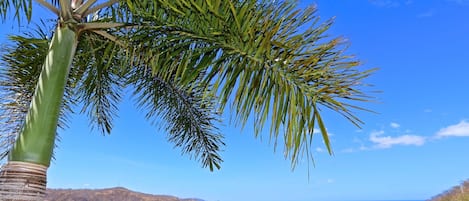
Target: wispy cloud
[[384, 142], [394, 125], [458, 130], [352, 150], [320, 150], [316, 131], [379, 140]]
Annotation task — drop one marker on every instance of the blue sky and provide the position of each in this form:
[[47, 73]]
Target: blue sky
[[414, 148]]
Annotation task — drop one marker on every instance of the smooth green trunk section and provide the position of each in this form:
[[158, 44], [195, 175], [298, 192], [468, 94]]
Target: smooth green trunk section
[[36, 141]]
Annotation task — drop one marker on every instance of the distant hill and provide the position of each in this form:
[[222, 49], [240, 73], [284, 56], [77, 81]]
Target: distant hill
[[457, 193], [110, 194]]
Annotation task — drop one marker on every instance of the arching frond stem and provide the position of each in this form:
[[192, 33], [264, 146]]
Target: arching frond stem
[[49, 6], [65, 9], [99, 7], [83, 7], [110, 37], [99, 25]]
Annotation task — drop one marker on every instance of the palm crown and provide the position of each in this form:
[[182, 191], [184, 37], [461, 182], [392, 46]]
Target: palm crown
[[185, 61]]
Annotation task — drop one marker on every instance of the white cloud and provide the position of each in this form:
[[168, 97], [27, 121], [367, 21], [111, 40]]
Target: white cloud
[[320, 150], [348, 150], [394, 125], [316, 131], [353, 150], [458, 130], [376, 133], [363, 148], [384, 142]]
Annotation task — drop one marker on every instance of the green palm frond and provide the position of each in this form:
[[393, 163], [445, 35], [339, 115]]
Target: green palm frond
[[19, 75], [19, 7], [188, 59], [268, 59], [167, 78], [101, 82], [189, 116], [19, 71]]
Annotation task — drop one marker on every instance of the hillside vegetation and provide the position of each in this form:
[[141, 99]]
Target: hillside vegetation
[[110, 194], [457, 193]]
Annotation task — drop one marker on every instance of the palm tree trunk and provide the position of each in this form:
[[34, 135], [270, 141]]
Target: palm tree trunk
[[24, 176], [22, 181]]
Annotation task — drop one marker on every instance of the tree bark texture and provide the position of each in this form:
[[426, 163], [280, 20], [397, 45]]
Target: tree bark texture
[[23, 181]]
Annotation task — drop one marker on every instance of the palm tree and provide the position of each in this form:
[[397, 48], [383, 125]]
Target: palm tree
[[185, 60]]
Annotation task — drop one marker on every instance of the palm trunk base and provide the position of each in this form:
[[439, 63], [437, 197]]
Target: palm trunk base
[[22, 181]]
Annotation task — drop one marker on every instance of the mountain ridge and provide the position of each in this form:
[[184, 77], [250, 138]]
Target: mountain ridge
[[108, 194]]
